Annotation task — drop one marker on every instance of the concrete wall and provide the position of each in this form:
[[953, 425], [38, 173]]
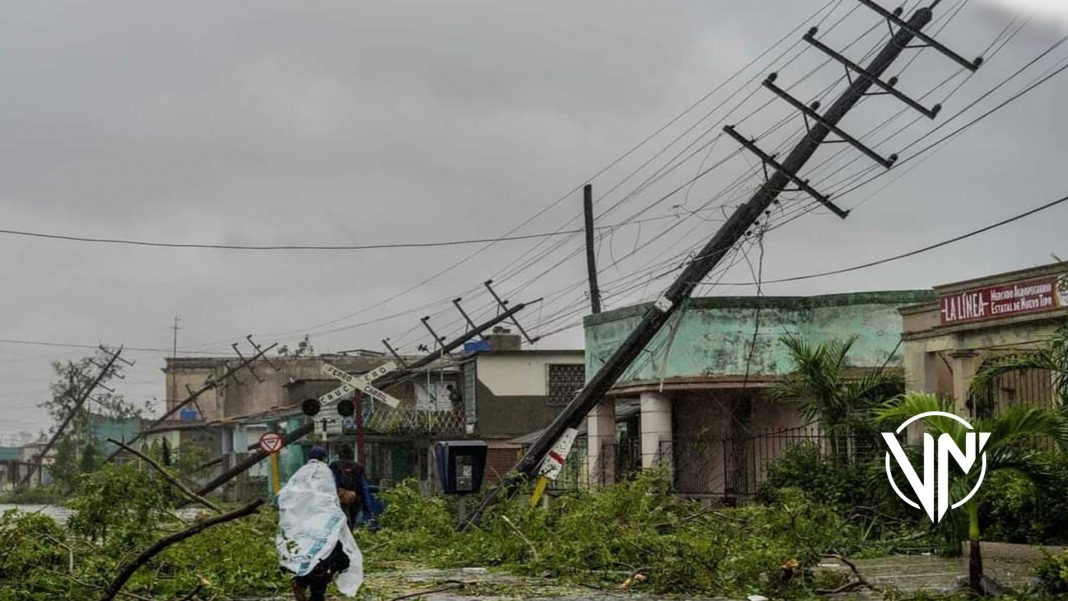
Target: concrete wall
[[296, 379], [512, 388], [714, 335], [521, 373]]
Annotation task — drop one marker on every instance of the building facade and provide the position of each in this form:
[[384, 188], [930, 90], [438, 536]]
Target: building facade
[[969, 323], [701, 386], [510, 393]]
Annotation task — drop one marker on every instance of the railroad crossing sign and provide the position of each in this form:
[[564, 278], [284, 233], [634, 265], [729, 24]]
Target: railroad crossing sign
[[271, 442], [362, 383]]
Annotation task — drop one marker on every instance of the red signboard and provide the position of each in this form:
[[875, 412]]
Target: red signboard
[[1006, 300]]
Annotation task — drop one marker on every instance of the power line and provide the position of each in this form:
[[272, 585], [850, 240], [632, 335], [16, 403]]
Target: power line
[[911, 253], [96, 346], [314, 247]]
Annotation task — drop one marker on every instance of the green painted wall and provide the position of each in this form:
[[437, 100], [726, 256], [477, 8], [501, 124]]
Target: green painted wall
[[713, 334], [104, 428]]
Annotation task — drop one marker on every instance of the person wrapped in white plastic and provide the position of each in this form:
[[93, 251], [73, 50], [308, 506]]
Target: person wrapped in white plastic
[[313, 540]]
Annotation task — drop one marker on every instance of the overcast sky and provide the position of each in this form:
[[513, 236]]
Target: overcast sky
[[385, 122]]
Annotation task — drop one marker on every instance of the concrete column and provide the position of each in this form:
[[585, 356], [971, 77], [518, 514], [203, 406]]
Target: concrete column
[[601, 440], [655, 429], [965, 364]]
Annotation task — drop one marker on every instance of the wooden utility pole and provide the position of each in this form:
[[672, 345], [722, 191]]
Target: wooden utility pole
[[591, 257], [390, 379], [105, 371], [172, 392], [211, 384], [735, 228]]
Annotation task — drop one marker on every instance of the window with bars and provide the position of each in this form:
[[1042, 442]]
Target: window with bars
[[565, 380]]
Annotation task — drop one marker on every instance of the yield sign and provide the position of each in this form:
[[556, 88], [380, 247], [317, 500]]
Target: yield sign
[[361, 383], [271, 442]]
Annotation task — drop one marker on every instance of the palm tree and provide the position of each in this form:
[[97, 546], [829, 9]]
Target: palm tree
[[1009, 448], [1052, 358], [824, 391]]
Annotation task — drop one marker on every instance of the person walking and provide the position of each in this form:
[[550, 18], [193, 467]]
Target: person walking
[[353, 489], [313, 542]]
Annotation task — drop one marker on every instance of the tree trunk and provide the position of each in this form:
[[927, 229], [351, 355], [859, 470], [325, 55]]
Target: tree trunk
[[975, 557]]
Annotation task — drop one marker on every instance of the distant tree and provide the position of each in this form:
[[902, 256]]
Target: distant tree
[[73, 377], [304, 348]]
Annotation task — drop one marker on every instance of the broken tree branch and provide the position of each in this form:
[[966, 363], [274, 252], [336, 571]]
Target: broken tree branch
[[194, 592], [453, 585], [100, 588], [70, 552], [167, 476], [128, 570], [519, 533]]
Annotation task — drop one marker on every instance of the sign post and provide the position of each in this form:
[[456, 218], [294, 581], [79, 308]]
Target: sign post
[[356, 385], [271, 443], [553, 464]]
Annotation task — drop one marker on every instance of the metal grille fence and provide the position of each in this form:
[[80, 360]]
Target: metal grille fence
[[734, 468]]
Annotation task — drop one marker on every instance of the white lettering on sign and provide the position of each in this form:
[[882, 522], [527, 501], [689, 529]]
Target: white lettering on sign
[[336, 394], [361, 383], [1000, 301]]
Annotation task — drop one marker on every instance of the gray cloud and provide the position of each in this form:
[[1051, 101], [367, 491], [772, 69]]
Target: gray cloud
[[404, 121]]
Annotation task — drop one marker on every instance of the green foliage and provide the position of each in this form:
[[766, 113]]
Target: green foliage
[[43, 495], [1013, 508], [30, 557], [804, 467], [64, 468], [1052, 358], [119, 511], [824, 391], [634, 526], [1052, 574], [119, 505]]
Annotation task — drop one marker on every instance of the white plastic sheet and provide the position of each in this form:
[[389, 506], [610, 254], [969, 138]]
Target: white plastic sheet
[[311, 523]]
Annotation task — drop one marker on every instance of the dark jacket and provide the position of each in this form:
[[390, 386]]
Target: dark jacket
[[351, 476]]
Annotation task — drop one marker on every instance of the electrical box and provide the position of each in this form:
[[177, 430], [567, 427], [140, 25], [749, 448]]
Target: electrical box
[[461, 465]]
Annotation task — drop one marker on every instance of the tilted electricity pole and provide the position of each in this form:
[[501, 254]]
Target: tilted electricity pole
[[735, 228], [390, 379], [211, 384], [105, 371]]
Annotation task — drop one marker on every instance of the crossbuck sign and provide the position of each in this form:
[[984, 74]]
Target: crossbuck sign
[[362, 383], [933, 491]]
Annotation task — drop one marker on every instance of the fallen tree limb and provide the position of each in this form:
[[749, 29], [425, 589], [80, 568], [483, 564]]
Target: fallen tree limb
[[519, 533], [454, 584], [168, 477], [193, 593], [70, 552], [857, 582], [130, 567], [100, 588]]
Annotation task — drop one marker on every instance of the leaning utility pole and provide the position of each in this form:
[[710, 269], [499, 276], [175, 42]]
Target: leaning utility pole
[[105, 371], [731, 232], [211, 384], [591, 257], [387, 380]]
